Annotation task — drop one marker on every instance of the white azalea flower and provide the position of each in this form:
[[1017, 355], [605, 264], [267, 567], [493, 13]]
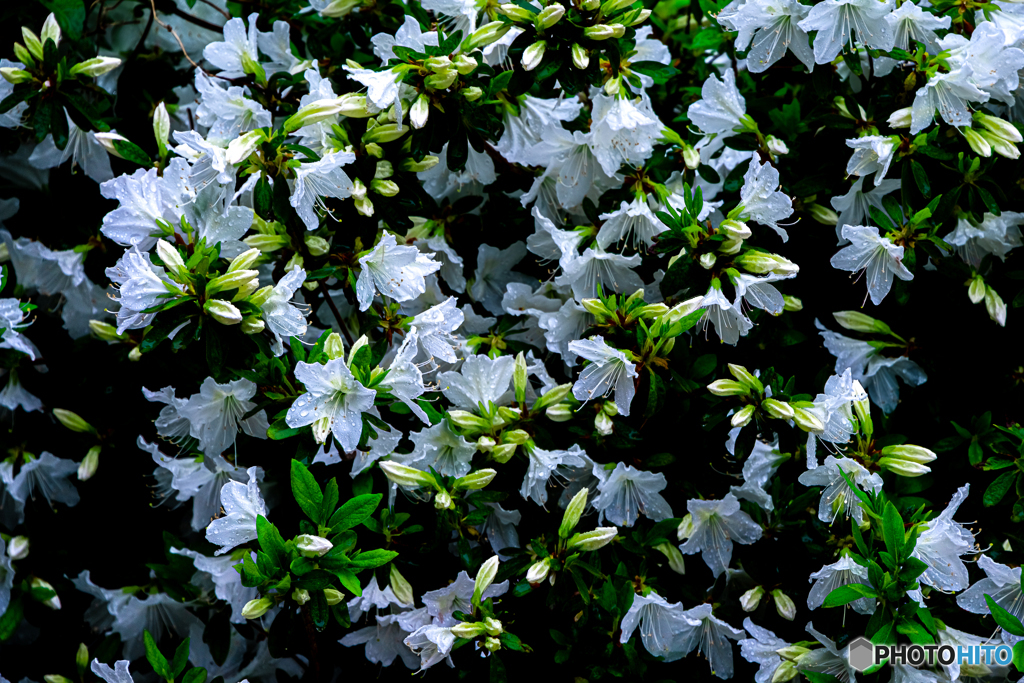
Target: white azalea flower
[[762, 648], [1002, 584], [837, 498], [660, 623], [334, 396], [441, 448], [872, 154], [481, 381], [941, 546], [874, 255], [82, 148], [635, 220], [729, 321], [773, 27], [995, 235], [215, 414], [227, 112], [761, 200], [242, 504], [494, 272], [236, 50], [608, 370], [542, 467], [841, 573], [715, 525], [626, 493], [718, 113], [836, 22], [709, 635], [317, 180], [597, 267], [226, 580], [394, 271], [758, 469]]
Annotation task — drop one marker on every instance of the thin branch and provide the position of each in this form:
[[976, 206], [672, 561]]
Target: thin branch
[[170, 29], [222, 11]]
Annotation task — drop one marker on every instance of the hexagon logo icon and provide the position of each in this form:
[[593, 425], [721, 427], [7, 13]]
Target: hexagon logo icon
[[861, 653]]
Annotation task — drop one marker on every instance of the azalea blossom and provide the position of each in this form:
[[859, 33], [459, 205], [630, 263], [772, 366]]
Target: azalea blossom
[[394, 271], [874, 255], [334, 402], [608, 370], [715, 525], [625, 493], [243, 503]]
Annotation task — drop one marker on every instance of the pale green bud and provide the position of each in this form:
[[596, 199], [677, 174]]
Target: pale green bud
[[135, 354], [386, 188], [549, 16], [904, 468], [388, 132], [425, 164], [515, 436], [334, 347], [267, 243], [317, 246], [977, 142], [464, 64], [675, 558], [596, 307], [400, 587], [339, 8], [468, 421], [613, 6], [441, 80], [995, 306], [707, 261], [244, 260], [419, 112], [580, 57], [761, 262], [241, 147], [493, 626], [807, 421], [862, 409], [791, 303], [503, 452], [15, 75], [375, 150], [222, 311], [475, 480], [534, 55], [573, 512], [999, 145], [591, 5], [406, 476], [784, 605], [170, 256], [484, 578], [785, 672], [32, 43], [333, 596], [910, 453], [998, 126], [822, 214], [603, 424], [441, 63], [56, 678], [600, 32], [519, 378], [742, 416], [231, 280], [685, 528], [82, 658], [751, 599], [23, 55], [640, 17], [296, 261], [468, 630], [976, 289], [73, 421], [51, 30], [593, 540], [161, 127], [312, 546], [777, 409], [443, 501], [734, 229], [97, 66], [485, 444], [538, 571], [900, 118], [256, 608], [746, 377], [52, 603], [252, 325], [17, 548], [300, 595], [383, 170], [858, 322], [90, 463], [559, 413], [691, 157], [107, 141], [516, 13], [728, 387]]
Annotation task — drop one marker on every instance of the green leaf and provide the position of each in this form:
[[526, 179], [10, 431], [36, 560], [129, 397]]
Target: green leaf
[[350, 581], [10, 619], [129, 151], [354, 511], [155, 657], [998, 488], [512, 642], [1018, 655], [847, 594], [196, 675], [1006, 621], [892, 531], [306, 491], [272, 543], [373, 558], [330, 500], [180, 660], [280, 430], [921, 178], [318, 609]]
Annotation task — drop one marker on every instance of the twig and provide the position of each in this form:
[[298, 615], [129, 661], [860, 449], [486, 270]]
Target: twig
[[222, 11], [337, 314], [170, 29]]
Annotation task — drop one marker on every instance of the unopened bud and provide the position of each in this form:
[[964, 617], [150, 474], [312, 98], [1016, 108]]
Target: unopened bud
[[51, 602], [995, 306], [573, 512], [859, 322], [51, 30], [254, 609], [746, 377], [240, 148], [751, 599], [400, 587], [822, 214], [15, 75], [17, 549], [742, 416], [998, 126], [807, 421], [538, 571], [777, 409], [333, 596], [534, 55], [222, 311], [784, 605], [675, 558], [728, 387], [580, 57], [312, 546], [603, 424], [464, 64], [161, 126], [419, 112], [73, 421], [468, 630], [300, 595], [90, 463], [559, 413], [484, 578], [406, 476], [977, 142], [475, 480], [900, 118], [107, 141], [593, 540], [97, 66], [503, 452]]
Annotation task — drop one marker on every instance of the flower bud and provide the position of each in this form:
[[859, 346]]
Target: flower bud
[[400, 587], [858, 322], [492, 644], [786, 671], [443, 501], [822, 214], [777, 409], [978, 144], [240, 148], [73, 421], [599, 32], [995, 307], [17, 549], [468, 421], [333, 596], [484, 578], [464, 64], [312, 546], [437, 64], [300, 595], [807, 421], [999, 145], [35, 47], [441, 80], [707, 261], [388, 132], [97, 66], [23, 55], [751, 599], [538, 571], [15, 75], [791, 303], [976, 289], [603, 424], [502, 453], [728, 387], [580, 57], [252, 325], [56, 678], [761, 262], [317, 246], [904, 468], [784, 605], [998, 126], [534, 55], [900, 118], [256, 608], [161, 127], [910, 452], [493, 626], [425, 164], [53, 602], [82, 658], [406, 476], [475, 480], [742, 416], [222, 311], [51, 30], [107, 141], [638, 18], [267, 243], [559, 413], [419, 112], [468, 630], [549, 16], [573, 512], [734, 229], [746, 377], [170, 256], [675, 558], [385, 188], [516, 13], [593, 540], [90, 463], [776, 146]]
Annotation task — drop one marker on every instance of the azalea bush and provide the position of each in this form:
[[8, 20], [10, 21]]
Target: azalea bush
[[590, 340]]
